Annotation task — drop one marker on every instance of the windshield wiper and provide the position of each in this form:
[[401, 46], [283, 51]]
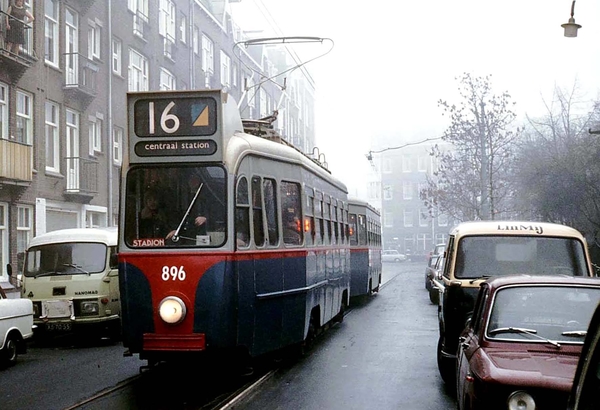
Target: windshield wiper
[[175, 236], [581, 333], [79, 268], [531, 332]]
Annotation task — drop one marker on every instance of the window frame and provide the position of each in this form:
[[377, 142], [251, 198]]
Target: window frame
[[54, 139]]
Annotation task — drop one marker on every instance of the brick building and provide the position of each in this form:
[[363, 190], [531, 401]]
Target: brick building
[[63, 100]]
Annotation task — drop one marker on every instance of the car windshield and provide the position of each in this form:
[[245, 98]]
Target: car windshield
[[485, 256], [74, 258], [537, 313], [175, 206]]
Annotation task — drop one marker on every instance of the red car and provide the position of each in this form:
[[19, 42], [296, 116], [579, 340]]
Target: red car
[[521, 347]]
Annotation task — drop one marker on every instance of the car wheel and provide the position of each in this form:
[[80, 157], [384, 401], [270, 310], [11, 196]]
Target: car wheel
[[396, 260], [434, 295], [9, 353], [445, 365]]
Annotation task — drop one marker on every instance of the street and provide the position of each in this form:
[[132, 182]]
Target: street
[[382, 356]]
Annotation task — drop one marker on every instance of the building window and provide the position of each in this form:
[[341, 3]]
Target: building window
[[183, 29], [234, 75], [52, 137], [407, 191], [94, 39], [24, 227], [422, 163], [388, 219], [139, 8], [225, 69], [95, 133], [116, 56], [406, 163], [388, 192], [166, 26], [207, 55], [167, 80], [51, 32], [138, 71], [117, 136], [3, 111], [387, 166], [24, 117], [408, 219]]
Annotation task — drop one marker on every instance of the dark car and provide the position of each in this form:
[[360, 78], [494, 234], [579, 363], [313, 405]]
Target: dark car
[[520, 348], [584, 394]]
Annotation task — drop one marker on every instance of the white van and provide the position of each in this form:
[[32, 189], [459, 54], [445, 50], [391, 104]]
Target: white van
[[71, 276]]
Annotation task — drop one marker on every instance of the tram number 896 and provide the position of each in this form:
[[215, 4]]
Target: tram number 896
[[173, 273]]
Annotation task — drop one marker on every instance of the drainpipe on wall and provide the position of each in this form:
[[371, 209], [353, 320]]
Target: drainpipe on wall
[[110, 121]]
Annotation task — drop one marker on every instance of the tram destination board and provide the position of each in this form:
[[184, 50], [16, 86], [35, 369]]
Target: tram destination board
[[175, 116]]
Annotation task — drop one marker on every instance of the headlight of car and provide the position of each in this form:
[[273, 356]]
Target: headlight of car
[[521, 400], [172, 310], [89, 307]]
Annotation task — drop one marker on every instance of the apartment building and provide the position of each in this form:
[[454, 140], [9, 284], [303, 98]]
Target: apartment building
[[63, 116], [408, 226]]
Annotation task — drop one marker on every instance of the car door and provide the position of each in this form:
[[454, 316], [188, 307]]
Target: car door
[[468, 344]]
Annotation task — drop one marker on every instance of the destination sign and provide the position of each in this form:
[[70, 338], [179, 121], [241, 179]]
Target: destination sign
[[175, 148], [179, 116]]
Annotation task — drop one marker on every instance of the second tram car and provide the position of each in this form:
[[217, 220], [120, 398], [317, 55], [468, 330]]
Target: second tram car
[[227, 240], [365, 247]]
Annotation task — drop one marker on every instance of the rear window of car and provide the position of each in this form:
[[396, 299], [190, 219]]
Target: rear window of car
[[483, 256]]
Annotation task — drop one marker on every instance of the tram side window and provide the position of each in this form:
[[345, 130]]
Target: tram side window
[[270, 194], [352, 231], [309, 222], [242, 213], [318, 225], [291, 213], [257, 212], [362, 230]]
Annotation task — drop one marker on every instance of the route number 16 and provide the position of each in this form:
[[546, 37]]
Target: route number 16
[[164, 118]]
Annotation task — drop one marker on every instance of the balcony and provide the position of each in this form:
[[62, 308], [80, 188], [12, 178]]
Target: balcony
[[16, 61], [80, 77], [15, 161], [82, 179]]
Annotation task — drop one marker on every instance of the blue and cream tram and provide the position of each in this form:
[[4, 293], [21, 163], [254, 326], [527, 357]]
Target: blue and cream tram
[[365, 247], [227, 240]]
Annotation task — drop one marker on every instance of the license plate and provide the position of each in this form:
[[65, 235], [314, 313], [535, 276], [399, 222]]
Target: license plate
[[58, 327]]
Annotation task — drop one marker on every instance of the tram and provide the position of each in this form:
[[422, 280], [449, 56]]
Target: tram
[[365, 247], [228, 241]]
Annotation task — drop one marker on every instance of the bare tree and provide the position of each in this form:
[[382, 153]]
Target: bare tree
[[474, 179], [559, 177]]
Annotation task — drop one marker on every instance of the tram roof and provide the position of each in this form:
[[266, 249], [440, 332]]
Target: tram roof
[[107, 236], [523, 228]]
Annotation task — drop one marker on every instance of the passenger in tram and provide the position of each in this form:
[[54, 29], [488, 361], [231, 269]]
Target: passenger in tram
[[154, 222], [291, 231]]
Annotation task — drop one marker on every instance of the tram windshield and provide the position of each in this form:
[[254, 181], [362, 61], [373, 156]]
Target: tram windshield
[[175, 206]]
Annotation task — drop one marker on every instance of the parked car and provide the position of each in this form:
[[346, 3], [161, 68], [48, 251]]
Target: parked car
[[520, 348], [16, 326], [478, 250], [433, 272], [584, 393], [392, 256], [432, 259]]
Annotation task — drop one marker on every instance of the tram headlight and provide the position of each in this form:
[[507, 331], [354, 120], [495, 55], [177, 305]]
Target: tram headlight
[[172, 310], [521, 400]]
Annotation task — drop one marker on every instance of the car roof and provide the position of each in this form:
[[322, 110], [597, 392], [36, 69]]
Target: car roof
[[526, 228], [107, 236], [535, 280]]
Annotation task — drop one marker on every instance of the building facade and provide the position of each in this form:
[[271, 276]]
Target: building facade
[[63, 114], [400, 176]]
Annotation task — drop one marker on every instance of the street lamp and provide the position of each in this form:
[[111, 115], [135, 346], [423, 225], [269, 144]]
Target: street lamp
[[571, 27]]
